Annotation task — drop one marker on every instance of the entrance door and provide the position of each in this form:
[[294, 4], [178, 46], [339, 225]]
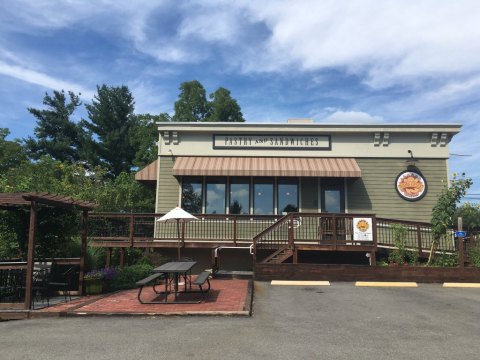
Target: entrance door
[[333, 195]]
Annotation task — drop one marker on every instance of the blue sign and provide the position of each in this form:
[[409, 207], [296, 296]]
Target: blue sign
[[460, 233]]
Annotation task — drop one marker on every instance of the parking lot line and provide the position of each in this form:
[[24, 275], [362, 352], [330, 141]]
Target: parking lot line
[[385, 284], [300, 283], [461, 285]]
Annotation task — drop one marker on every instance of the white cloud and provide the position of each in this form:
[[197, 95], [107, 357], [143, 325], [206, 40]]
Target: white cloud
[[356, 117], [41, 79]]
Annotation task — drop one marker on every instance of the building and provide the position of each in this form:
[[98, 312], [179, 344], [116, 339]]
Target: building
[[298, 192], [392, 170]]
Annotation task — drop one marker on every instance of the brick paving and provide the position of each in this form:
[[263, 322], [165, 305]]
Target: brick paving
[[225, 296]]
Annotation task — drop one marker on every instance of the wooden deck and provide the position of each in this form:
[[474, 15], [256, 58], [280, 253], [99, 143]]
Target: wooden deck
[[297, 231]]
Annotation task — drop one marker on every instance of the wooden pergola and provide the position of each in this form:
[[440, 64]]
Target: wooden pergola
[[32, 200]]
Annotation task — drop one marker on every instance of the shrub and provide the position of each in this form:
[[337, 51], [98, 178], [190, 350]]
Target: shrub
[[129, 275], [474, 254], [445, 260]]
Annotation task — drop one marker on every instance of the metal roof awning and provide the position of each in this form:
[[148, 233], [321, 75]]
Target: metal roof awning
[[148, 173], [266, 166]]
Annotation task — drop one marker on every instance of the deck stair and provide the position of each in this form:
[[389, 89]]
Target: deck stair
[[279, 256]]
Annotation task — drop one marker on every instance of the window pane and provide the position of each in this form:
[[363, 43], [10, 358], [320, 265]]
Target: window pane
[[239, 197], [332, 201], [263, 197], [192, 195], [287, 196], [215, 203]]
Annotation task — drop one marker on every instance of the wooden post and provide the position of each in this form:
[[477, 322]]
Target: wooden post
[[373, 258], [419, 240], [461, 252], [108, 261], [290, 231], [295, 256], [235, 231], [122, 257], [334, 232], [83, 249], [461, 249], [132, 226], [32, 232]]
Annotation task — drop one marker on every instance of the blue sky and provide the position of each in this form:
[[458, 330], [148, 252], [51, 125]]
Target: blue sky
[[330, 60]]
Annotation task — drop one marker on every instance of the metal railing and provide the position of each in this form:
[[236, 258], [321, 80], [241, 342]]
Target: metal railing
[[265, 231], [135, 228], [321, 230]]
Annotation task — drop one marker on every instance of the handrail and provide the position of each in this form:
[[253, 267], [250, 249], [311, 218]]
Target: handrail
[[262, 230], [257, 240]]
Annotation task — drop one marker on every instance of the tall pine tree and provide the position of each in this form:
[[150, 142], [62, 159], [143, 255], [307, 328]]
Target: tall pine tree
[[111, 124], [56, 135], [224, 108]]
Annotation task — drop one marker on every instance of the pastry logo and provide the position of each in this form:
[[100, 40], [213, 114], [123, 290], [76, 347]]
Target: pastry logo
[[363, 225], [411, 185]]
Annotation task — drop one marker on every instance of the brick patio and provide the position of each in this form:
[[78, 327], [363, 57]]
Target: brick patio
[[226, 296]]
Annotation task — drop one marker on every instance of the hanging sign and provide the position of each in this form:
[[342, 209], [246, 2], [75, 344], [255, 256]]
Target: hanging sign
[[411, 185], [362, 229]]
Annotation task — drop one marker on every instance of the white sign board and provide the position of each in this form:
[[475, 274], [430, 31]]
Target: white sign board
[[362, 229]]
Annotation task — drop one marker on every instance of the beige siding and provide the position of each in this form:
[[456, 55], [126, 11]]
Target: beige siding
[[375, 190], [309, 194], [168, 186]]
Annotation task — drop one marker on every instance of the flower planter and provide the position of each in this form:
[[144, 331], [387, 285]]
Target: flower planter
[[93, 286]]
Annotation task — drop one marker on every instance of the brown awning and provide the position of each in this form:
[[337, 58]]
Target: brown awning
[[148, 173], [266, 166]]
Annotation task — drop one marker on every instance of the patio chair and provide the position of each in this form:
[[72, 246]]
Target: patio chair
[[62, 281]]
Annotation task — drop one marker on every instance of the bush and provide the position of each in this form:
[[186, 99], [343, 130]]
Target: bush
[[445, 260], [129, 275], [474, 254]]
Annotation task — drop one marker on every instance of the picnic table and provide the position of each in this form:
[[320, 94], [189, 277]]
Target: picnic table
[[173, 271]]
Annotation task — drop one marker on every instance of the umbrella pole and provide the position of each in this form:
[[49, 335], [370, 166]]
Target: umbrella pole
[[178, 230]]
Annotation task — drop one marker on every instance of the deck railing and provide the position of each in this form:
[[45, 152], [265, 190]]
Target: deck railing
[[138, 228], [313, 229], [270, 231]]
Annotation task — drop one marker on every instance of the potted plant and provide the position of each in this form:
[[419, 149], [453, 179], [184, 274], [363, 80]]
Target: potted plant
[[109, 274], [94, 282]]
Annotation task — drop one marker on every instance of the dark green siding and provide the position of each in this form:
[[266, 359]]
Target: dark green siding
[[168, 186], [375, 191]]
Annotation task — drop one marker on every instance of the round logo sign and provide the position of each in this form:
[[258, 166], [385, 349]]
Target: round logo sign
[[362, 225], [411, 185]]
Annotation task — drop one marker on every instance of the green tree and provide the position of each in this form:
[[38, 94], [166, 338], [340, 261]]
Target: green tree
[[56, 134], [145, 136], [11, 152], [470, 213], [112, 122], [192, 104], [443, 213], [224, 108]]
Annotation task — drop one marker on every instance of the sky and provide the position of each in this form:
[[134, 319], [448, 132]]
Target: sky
[[335, 61]]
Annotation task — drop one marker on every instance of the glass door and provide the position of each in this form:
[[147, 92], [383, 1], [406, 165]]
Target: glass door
[[333, 195]]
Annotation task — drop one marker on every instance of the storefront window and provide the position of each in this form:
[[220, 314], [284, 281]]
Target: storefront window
[[263, 196], [215, 201], [287, 195], [192, 195], [239, 196]]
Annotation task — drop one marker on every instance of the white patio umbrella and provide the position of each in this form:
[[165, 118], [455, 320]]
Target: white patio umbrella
[[177, 215]]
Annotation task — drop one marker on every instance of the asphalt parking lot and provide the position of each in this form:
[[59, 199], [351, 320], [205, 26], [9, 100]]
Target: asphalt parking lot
[[340, 321]]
